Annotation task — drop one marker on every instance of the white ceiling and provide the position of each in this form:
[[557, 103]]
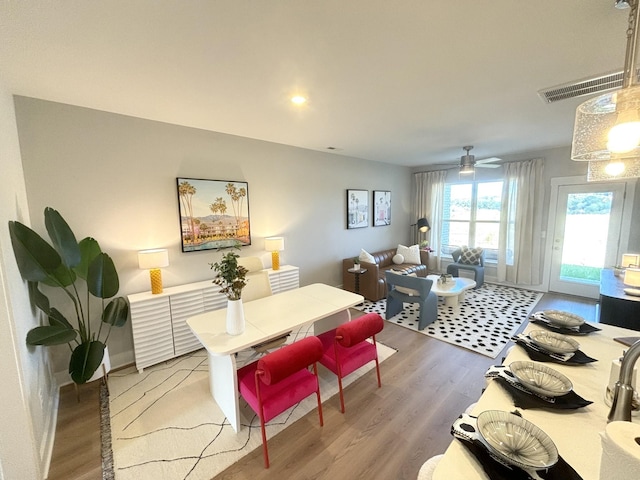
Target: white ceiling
[[408, 81]]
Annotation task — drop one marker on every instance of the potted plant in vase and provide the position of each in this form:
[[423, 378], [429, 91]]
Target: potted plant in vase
[[356, 263], [232, 278], [62, 264]]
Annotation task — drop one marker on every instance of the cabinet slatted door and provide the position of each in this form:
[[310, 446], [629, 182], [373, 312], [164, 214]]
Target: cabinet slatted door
[[183, 306], [152, 331], [213, 299], [289, 280]]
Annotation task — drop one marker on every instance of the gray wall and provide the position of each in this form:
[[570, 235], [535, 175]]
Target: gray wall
[[113, 177]]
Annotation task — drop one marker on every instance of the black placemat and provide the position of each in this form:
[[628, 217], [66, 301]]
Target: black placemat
[[579, 357], [526, 400], [583, 329]]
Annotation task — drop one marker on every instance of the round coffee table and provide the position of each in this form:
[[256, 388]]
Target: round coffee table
[[454, 294]]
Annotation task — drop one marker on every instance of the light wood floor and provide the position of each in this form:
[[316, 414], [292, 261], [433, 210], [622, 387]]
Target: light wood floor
[[386, 433]]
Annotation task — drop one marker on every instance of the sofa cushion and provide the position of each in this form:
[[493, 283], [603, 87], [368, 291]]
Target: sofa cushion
[[366, 257], [398, 259], [470, 256], [411, 254]]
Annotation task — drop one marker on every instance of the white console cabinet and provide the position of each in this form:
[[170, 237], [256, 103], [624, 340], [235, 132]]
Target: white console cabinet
[[159, 322]]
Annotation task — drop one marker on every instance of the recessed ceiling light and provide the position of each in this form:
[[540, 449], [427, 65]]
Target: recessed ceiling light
[[298, 99]]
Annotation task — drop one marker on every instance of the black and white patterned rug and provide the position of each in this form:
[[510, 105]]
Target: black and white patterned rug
[[484, 322]]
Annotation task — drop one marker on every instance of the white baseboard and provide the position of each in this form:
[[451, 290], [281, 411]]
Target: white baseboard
[[46, 447]]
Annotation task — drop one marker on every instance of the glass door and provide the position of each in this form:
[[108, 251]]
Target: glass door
[[586, 236]]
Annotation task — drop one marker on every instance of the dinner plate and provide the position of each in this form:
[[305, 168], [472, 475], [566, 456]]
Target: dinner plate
[[553, 342], [541, 379], [563, 319], [516, 440]]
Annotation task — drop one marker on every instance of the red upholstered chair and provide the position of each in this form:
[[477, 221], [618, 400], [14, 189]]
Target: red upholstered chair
[[346, 348], [279, 380]]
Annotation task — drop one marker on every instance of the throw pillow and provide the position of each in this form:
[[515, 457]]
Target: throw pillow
[[470, 256], [411, 254], [397, 259], [366, 257], [408, 291]]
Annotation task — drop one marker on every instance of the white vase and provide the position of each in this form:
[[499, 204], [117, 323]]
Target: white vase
[[105, 366], [235, 317]]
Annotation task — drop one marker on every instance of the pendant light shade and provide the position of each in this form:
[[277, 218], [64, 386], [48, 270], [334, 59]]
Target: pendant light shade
[[607, 128]]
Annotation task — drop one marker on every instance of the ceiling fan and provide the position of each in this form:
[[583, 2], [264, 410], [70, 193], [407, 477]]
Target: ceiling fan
[[468, 162]]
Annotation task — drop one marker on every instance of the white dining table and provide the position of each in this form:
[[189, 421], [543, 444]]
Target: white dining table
[[266, 318], [576, 433]]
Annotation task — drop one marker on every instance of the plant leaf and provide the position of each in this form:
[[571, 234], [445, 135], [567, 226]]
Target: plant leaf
[[63, 239], [57, 319], [85, 360], [60, 277], [36, 259], [102, 278], [89, 250], [50, 335], [38, 298], [116, 312]]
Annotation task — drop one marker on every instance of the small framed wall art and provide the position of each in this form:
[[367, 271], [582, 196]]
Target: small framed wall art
[[213, 214], [357, 208], [381, 208]]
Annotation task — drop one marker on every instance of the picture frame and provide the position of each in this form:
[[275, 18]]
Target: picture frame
[[357, 208], [381, 208], [213, 214]]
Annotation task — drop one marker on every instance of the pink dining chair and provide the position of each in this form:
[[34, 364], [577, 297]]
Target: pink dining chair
[[346, 348], [279, 380]]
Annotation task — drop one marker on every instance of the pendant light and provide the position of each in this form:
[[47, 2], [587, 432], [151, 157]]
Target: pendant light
[[607, 127]]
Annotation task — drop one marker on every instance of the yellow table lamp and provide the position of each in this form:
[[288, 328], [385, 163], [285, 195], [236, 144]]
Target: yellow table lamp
[[274, 245], [154, 260]]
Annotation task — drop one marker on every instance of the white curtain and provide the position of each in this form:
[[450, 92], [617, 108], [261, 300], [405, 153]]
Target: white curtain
[[429, 193], [519, 256]]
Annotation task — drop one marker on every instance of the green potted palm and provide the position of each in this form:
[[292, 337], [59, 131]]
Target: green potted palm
[[86, 277], [231, 277]]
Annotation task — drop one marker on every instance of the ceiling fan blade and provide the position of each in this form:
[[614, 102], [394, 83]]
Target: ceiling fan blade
[[487, 165], [488, 160]]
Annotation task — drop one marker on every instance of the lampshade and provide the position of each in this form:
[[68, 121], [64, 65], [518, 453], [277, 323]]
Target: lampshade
[[156, 258], [423, 225], [629, 259], [274, 244], [632, 277], [607, 127]]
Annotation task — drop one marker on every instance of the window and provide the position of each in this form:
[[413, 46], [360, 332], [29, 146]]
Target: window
[[471, 216]]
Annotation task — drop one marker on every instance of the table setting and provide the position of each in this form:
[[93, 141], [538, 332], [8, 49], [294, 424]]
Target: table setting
[[511, 448], [532, 385], [565, 323], [545, 348]]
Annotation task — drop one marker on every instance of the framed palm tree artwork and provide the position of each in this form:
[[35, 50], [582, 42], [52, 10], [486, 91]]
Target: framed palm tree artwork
[[357, 208], [214, 214]]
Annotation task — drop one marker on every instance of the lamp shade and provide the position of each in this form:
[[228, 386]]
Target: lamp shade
[[274, 244], [156, 258], [423, 225], [632, 277], [629, 259]]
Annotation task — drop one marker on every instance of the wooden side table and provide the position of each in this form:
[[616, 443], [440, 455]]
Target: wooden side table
[[357, 274]]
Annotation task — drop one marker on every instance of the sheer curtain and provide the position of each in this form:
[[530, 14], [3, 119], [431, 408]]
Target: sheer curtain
[[519, 256], [429, 193]]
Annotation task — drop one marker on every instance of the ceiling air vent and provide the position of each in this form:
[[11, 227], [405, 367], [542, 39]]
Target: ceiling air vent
[[588, 86]]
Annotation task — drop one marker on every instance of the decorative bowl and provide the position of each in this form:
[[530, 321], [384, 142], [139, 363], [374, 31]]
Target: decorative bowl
[[541, 379], [553, 342], [446, 281], [516, 440], [563, 319]]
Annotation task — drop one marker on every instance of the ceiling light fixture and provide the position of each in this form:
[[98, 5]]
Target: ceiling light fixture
[[298, 99], [607, 127]]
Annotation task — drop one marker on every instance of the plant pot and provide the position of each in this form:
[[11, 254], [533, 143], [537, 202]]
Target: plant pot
[[356, 267], [235, 317], [105, 366]]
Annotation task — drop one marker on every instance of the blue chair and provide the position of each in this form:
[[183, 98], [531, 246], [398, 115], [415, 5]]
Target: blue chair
[[403, 289], [478, 270]]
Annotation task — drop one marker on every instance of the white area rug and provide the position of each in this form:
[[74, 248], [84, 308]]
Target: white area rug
[[483, 323], [165, 424]]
